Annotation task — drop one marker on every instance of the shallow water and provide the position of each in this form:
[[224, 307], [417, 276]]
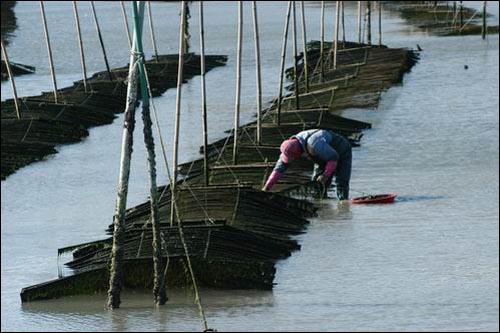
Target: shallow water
[[427, 262]]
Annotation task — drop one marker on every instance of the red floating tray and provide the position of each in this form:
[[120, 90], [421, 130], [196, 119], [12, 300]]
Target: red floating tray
[[375, 199]]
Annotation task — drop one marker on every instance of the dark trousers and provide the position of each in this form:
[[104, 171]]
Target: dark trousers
[[342, 174]]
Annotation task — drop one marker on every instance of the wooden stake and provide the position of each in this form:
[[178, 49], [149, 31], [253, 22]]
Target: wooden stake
[[359, 21], [203, 99], [295, 59], [180, 78], [11, 79], [336, 37], [461, 14], [117, 252], [151, 28], [485, 27], [125, 21], [238, 83], [159, 292], [108, 69], [49, 51], [80, 44], [379, 23], [343, 23], [304, 42], [258, 78], [282, 65], [322, 43], [369, 22]]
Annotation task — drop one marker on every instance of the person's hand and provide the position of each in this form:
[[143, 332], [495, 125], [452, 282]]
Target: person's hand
[[322, 180]]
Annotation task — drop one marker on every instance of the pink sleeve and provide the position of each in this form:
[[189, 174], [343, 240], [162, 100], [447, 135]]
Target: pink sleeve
[[330, 168], [273, 179]]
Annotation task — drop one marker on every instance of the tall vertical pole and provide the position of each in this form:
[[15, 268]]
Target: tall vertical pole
[[180, 78], [380, 23], [160, 295], [258, 78], [369, 22], [282, 65], [359, 21], [49, 51], [295, 59], [238, 83], [461, 14], [80, 44], [304, 43], [322, 42], [117, 252], [203, 98], [485, 28], [108, 69], [11, 79], [336, 37], [152, 30], [125, 21], [343, 23]]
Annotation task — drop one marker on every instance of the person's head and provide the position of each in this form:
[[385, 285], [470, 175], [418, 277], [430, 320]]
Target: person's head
[[291, 149]]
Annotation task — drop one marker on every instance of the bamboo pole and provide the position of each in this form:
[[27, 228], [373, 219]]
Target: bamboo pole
[[485, 27], [11, 79], [258, 79], [359, 21], [180, 78], [304, 43], [203, 99], [238, 82], [461, 14], [336, 37], [282, 65], [159, 292], [125, 21], [151, 28], [343, 23], [49, 51], [80, 45], [369, 22], [322, 42], [295, 59], [101, 41], [379, 23], [117, 252]]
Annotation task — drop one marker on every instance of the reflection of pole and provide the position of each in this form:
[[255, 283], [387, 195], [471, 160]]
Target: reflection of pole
[[295, 59], [125, 21], [238, 83], [258, 79], [203, 98], [151, 28], [380, 23], [11, 79], [180, 78], [369, 23], [80, 44], [282, 65], [336, 37], [485, 31], [101, 40], [117, 252], [359, 22], [322, 43], [49, 50], [304, 42]]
